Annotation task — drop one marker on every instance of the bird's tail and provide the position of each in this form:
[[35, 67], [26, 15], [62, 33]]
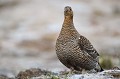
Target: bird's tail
[[99, 68]]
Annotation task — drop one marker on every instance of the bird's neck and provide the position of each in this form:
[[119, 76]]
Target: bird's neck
[[68, 29], [68, 22]]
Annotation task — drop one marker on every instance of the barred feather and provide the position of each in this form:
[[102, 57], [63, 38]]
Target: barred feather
[[86, 46]]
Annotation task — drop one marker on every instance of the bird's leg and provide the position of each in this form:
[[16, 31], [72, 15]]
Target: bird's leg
[[88, 71], [71, 72], [84, 71], [91, 71], [78, 72]]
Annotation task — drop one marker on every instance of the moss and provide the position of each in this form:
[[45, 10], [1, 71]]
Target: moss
[[54, 77], [106, 63]]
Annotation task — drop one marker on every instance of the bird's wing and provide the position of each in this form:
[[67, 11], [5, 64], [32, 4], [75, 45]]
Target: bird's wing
[[86, 46]]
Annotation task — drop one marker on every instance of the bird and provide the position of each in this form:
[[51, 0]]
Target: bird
[[73, 49]]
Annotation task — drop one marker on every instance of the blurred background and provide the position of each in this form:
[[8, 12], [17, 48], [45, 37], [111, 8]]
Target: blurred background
[[29, 29]]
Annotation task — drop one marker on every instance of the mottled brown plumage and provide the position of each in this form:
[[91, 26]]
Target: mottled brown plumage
[[74, 50]]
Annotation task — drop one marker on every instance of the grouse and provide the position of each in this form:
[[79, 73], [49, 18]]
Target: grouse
[[74, 50]]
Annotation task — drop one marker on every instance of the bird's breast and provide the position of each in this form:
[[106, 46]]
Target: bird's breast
[[67, 46]]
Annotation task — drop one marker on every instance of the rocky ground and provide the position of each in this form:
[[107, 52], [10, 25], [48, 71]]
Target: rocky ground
[[29, 29], [35, 73]]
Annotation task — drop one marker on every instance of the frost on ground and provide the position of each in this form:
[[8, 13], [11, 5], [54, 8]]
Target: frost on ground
[[35, 73]]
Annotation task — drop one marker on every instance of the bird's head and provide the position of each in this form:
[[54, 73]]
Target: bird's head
[[68, 11]]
